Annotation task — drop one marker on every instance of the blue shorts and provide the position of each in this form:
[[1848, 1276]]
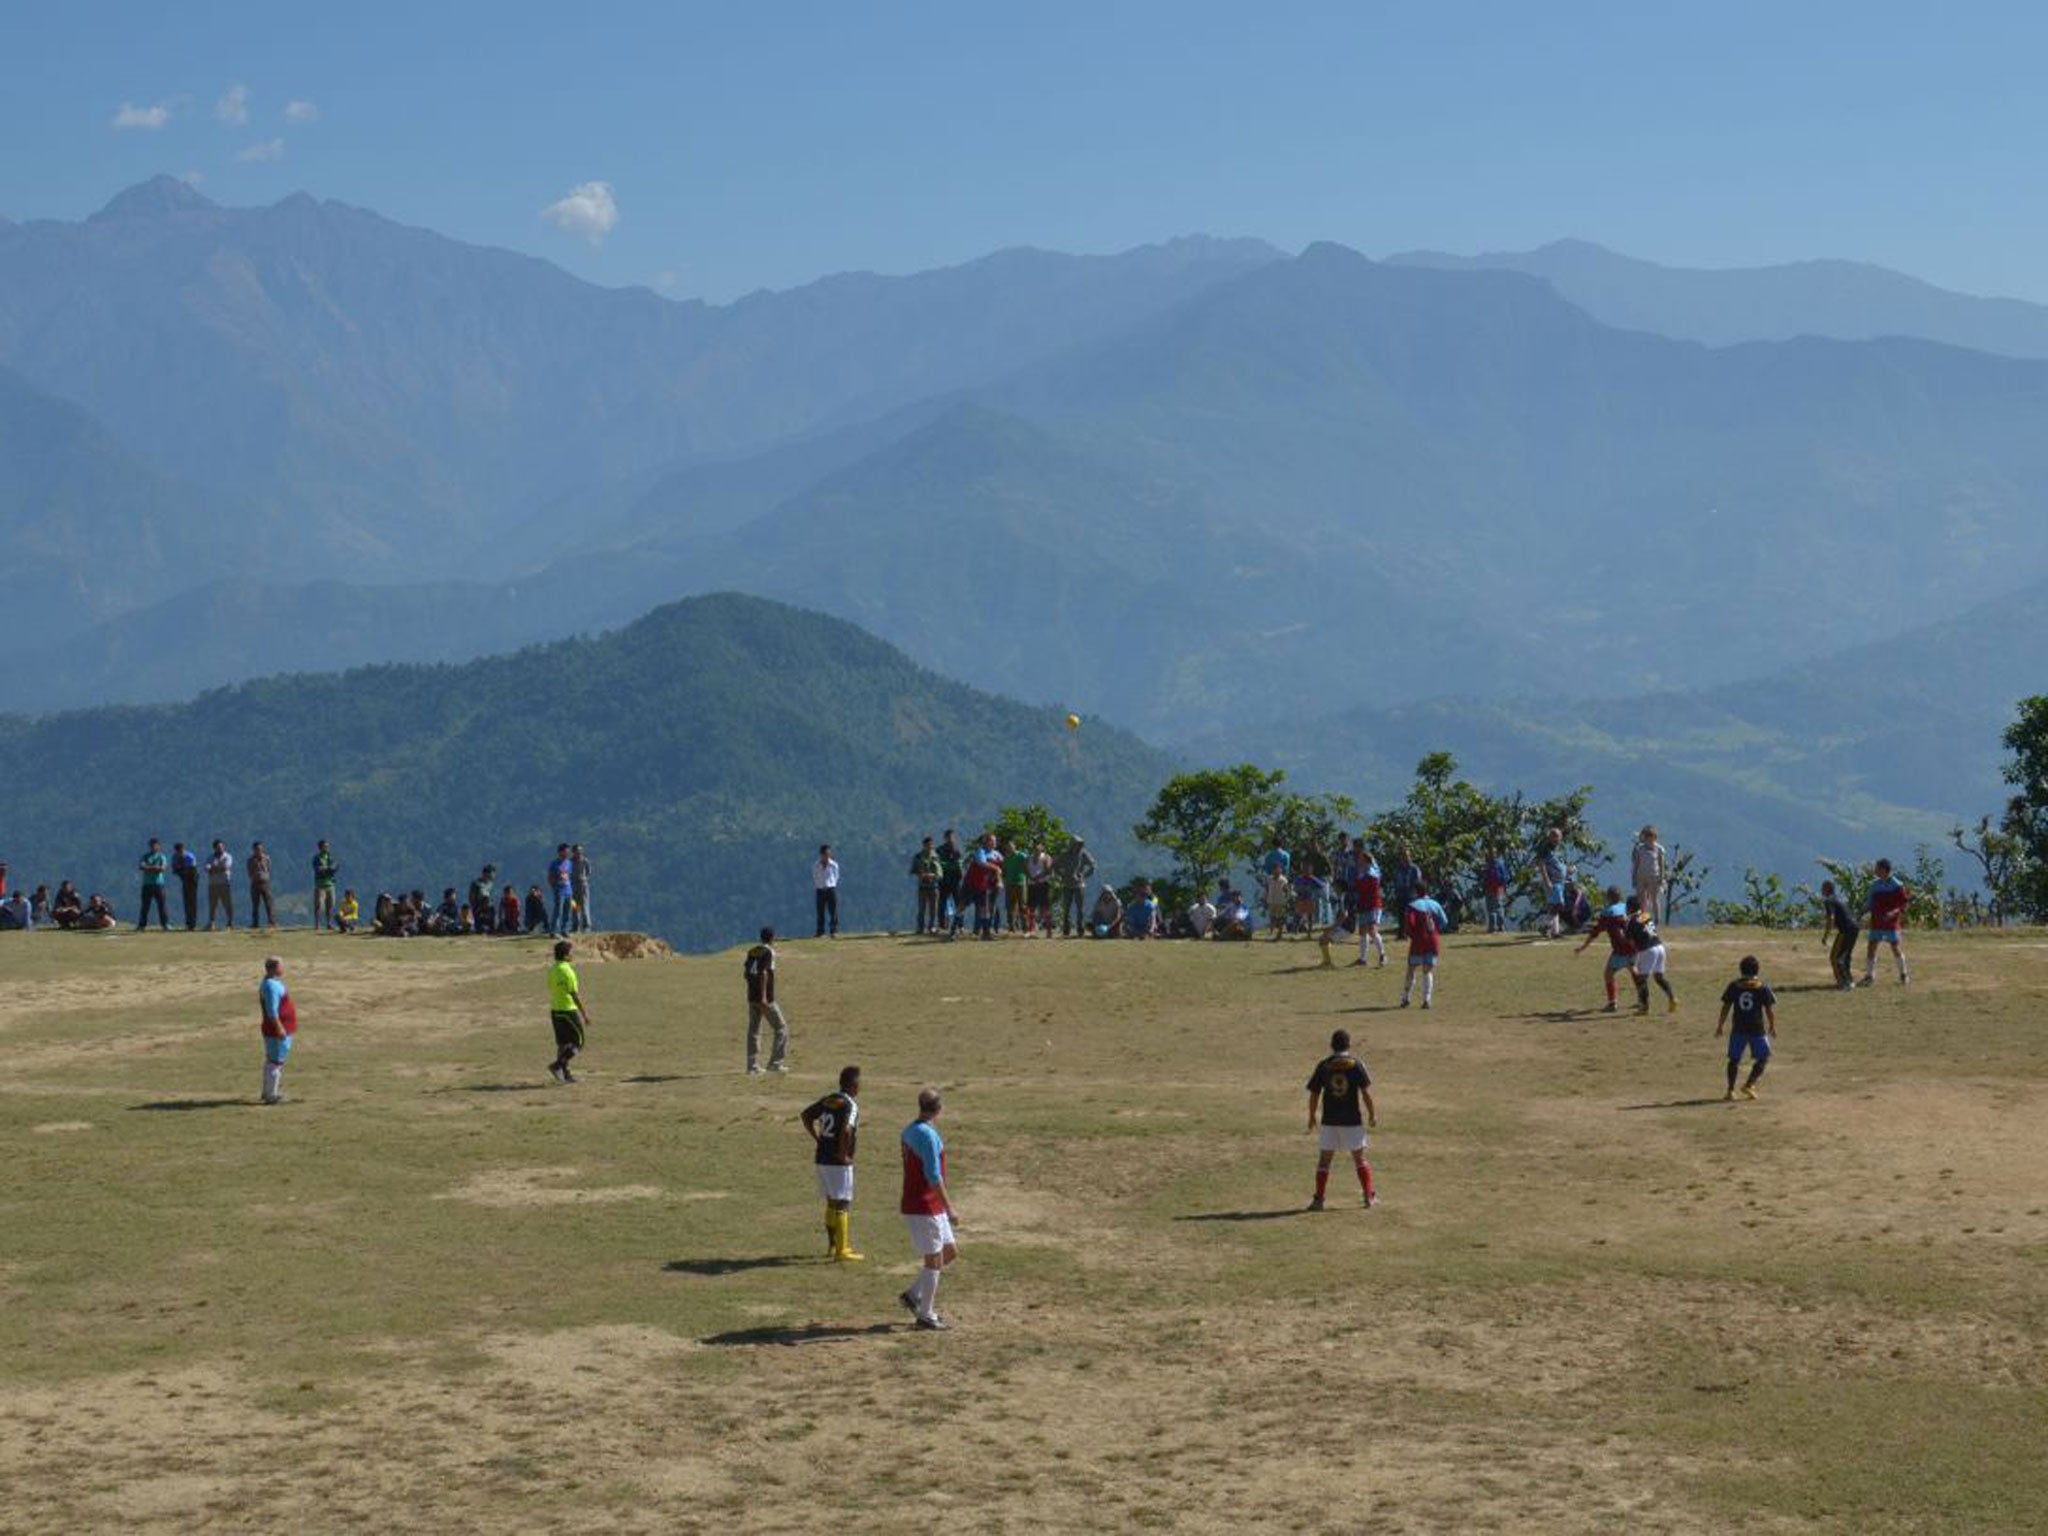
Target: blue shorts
[[1620, 962], [1758, 1046], [1422, 959], [1557, 895], [276, 1048], [1881, 935]]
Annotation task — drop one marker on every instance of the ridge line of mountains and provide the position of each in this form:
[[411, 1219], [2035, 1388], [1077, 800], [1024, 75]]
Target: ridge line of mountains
[[1547, 507]]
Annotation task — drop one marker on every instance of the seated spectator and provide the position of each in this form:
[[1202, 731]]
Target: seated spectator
[[1233, 915], [1141, 917], [68, 906], [508, 912], [97, 916], [483, 900], [349, 913], [1201, 917], [536, 909], [15, 915], [1108, 915], [380, 913], [446, 919], [39, 907]]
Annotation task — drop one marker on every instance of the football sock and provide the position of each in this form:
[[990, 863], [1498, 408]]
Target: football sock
[[1610, 986], [832, 1237], [1733, 1068], [928, 1294], [1322, 1181], [1756, 1071], [1365, 1179], [1428, 986]]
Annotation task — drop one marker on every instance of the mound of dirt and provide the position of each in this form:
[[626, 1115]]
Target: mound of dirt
[[622, 946]]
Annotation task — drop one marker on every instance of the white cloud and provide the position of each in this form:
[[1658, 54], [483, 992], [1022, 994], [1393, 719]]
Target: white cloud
[[301, 112], [262, 149], [588, 210], [668, 279], [132, 116], [193, 178], [233, 108]]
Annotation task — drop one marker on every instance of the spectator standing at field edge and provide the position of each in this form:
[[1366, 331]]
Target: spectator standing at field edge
[[1648, 870], [1076, 868], [153, 867], [260, 907], [185, 865], [825, 890], [579, 885], [561, 882], [325, 872], [220, 885]]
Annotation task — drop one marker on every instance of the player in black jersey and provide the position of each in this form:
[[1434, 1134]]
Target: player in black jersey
[[833, 1123], [1839, 934], [1754, 1008], [1343, 1087], [1648, 962]]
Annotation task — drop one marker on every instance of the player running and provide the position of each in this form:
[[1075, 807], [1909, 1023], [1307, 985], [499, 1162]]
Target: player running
[[926, 1209], [1755, 1010], [1612, 920], [833, 1123], [565, 1012], [1887, 905], [1423, 922], [1648, 963], [1371, 898], [1342, 1087], [1838, 932]]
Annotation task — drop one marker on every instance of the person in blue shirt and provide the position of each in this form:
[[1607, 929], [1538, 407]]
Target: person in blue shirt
[[561, 875], [1141, 916], [927, 1208], [1424, 922]]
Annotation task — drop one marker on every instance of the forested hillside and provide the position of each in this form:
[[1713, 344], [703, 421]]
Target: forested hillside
[[701, 754]]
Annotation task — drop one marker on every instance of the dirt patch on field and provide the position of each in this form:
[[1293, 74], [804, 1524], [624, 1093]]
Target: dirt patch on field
[[58, 1127], [510, 1187], [622, 946]]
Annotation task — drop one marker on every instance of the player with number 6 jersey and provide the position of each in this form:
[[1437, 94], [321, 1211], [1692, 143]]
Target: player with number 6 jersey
[[833, 1123]]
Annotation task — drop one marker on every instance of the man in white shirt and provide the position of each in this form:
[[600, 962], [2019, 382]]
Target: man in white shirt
[[1648, 871], [825, 888]]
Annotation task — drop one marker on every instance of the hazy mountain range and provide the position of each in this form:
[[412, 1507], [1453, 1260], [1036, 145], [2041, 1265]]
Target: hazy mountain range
[[1289, 507]]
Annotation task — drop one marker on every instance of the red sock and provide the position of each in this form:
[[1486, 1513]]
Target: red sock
[[1365, 1179], [1322, 1181], [1610, 986]]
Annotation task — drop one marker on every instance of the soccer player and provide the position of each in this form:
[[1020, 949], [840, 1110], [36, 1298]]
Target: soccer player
[[833, 1123], [566, 1012], [1838, 932], [1648, 963], [1371, 907], [1423, 923], [280, 1026], [1755, 1009], [927, 1210], [1612, 921], [1342, 1087], [1887, 909], [1493, 880], [761, 1004]]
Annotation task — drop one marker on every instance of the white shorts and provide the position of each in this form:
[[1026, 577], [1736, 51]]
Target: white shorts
[[1341, 1138], [929, 1234], [1650, 962], [835, 1181]]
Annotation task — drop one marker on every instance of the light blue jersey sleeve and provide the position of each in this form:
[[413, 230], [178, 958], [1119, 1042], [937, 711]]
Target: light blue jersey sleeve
[[272, 993], [923, 1140]]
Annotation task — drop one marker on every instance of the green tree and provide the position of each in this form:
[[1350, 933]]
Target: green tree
[[1212, 819], [2026, 813], [1684, 878], [2005, 866], [1924, 879], [1766, 903], [1308, 826], [1023, 826]]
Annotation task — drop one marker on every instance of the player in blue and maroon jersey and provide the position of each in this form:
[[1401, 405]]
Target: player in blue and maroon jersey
[[1612, 920], [927, 1210], [1423, 921], [834, 1124], [1342, 1087], [1371, 901], [1889, 899]]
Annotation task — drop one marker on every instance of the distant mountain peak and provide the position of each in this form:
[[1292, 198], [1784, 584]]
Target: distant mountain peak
[[155, 197]]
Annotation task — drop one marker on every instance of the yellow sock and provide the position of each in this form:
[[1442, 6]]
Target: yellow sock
[[832, 1229]]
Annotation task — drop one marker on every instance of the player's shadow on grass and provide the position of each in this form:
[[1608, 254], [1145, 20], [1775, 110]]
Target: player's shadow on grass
[[730, 1266], [1292, 1210], [1675, 1104], [1565, 1015], [806, 1333], [1373, 1008], [194, 1104], [1302, 970], [495, 1088]]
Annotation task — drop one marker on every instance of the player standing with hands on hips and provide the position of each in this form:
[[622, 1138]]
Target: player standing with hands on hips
[[280, 1027], [926, 1209], [833, 1123]]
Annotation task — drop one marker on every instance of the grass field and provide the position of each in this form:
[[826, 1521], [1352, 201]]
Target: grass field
[[435, 1292]]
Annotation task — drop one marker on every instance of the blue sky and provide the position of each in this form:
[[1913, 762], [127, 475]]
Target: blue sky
[[762, 145]]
